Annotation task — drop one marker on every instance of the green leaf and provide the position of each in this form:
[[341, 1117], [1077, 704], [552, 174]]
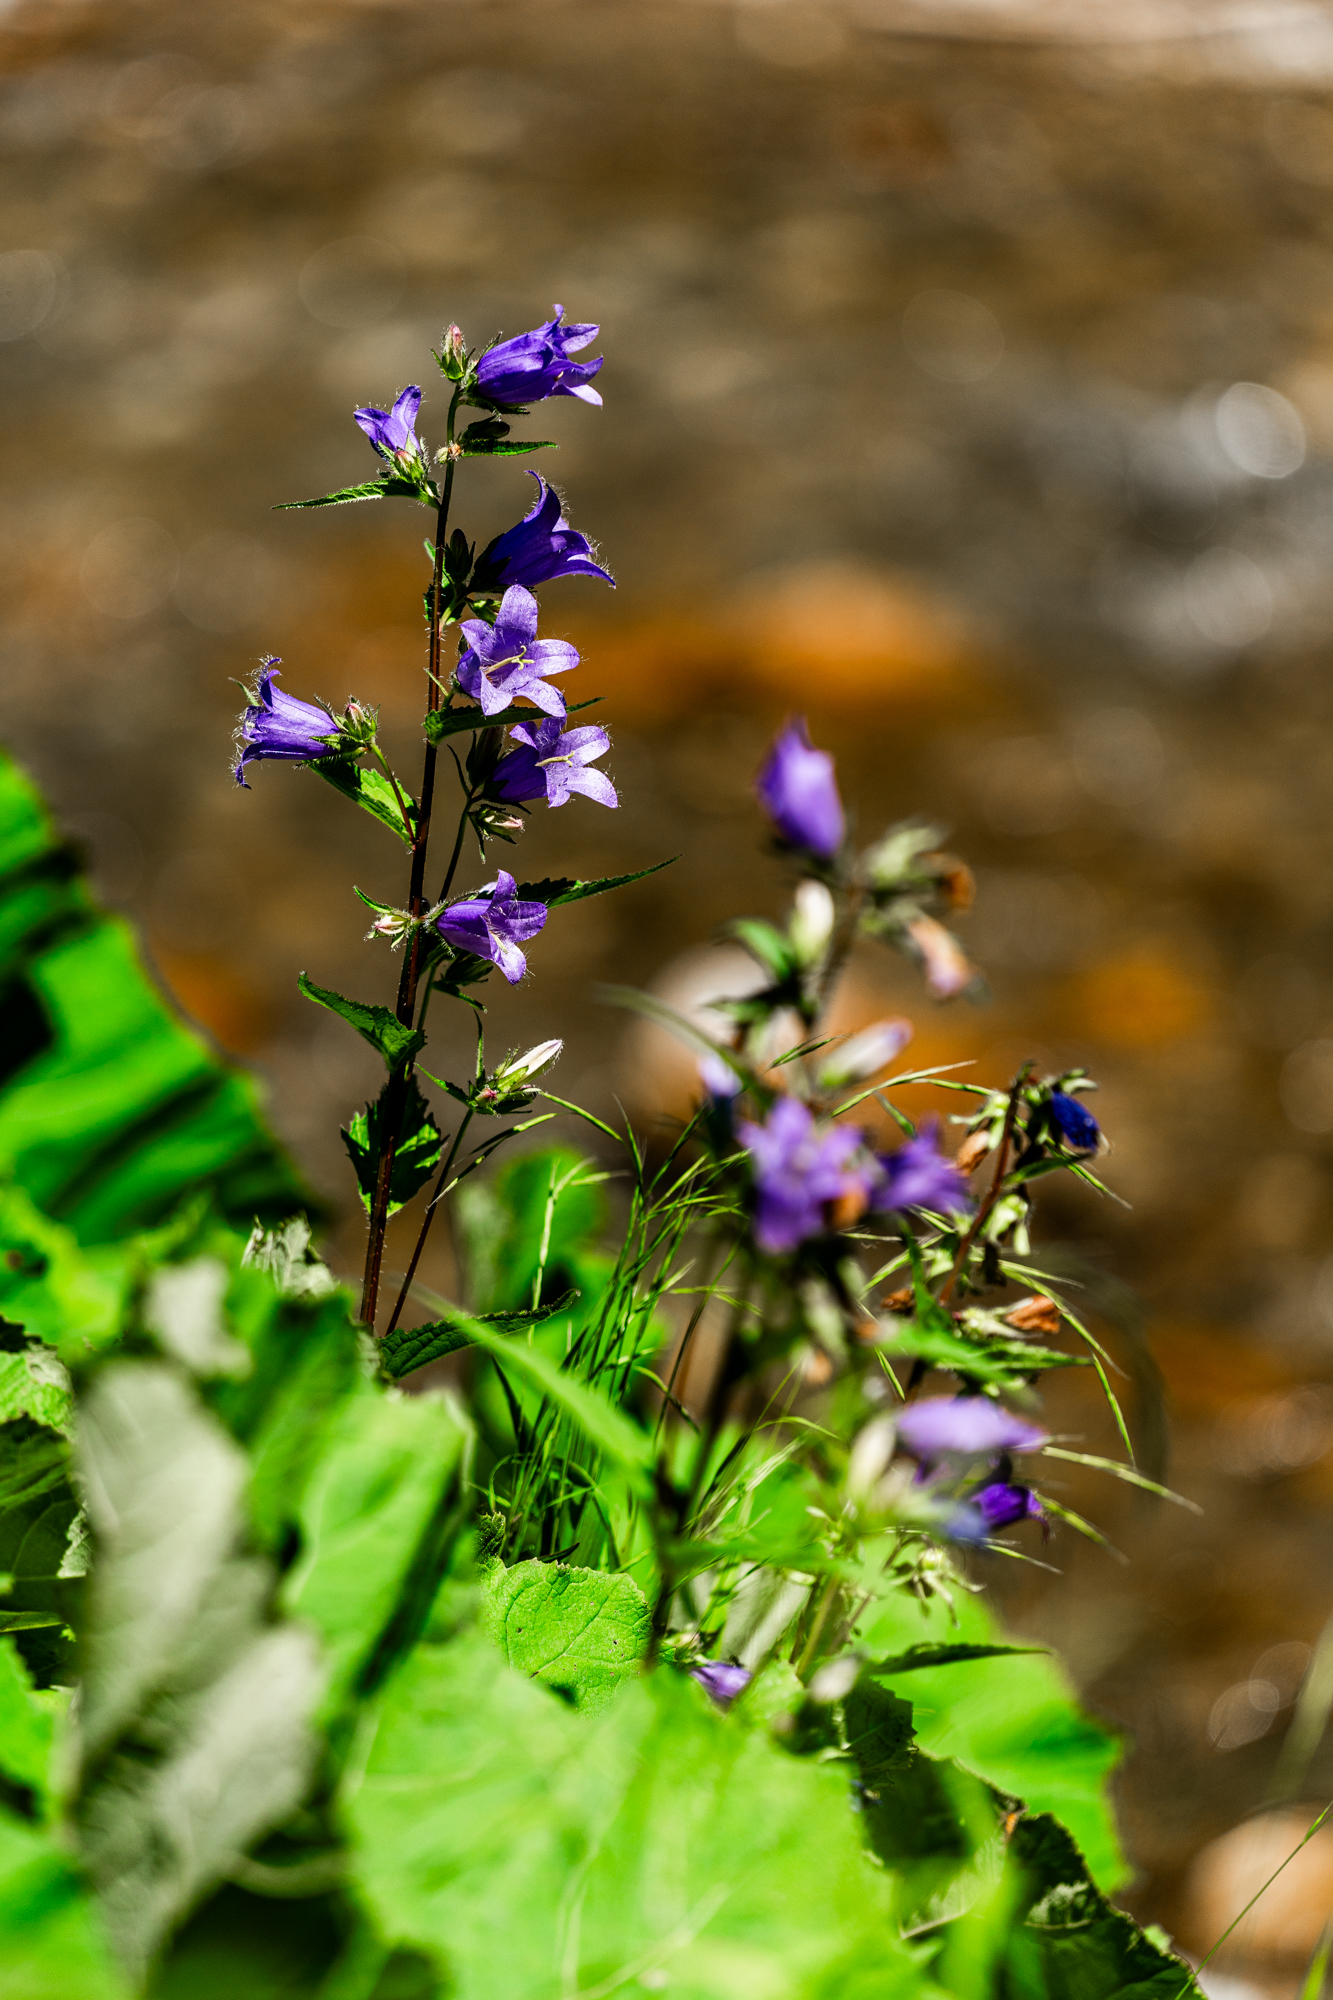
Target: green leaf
[[580, 1632], [193, 1717], [389, 488], [51, 1941], [543, 1852], [946, 1656], [599, 1420], [1004, 1363], [410, 1347], [382, 1029], [767, 945], [26, 1725], [372, 1531], [416, 1154], [368, 788], [34, 1384], [1017, 1725], [564, 889], [443, 722]]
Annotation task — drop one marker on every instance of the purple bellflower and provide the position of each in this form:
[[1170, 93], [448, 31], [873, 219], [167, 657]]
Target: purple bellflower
[[963, 1427], [507, 659], [278, 725], [493, 924], [998, 1504], [721, 1680], [551, 763], [797, 1169], [536, 365], [1077, 1126], [538, 549], [919, 1176], [393, 432], [799, 792]]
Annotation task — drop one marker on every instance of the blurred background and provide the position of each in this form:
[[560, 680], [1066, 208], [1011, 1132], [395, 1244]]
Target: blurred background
[[969, 387]]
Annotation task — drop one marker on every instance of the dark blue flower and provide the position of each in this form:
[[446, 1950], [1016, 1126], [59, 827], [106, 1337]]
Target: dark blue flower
[[278, 725], [919, 1176], [722, 1681], [393, 432], [537, 549], [507, 659], [797, 1168], [493, 924], [552, 763], [1077, 1126], [799, 792], [998, 1504], [536, 365]]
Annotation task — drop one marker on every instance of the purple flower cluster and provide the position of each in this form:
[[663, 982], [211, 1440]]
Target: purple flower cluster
[[801, 1168], [278, 725], [493, 924], [536, 365], [950, 1437], [538, 549]]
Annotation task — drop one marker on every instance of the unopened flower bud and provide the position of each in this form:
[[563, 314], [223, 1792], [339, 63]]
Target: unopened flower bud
[[947, 968], [865, 1054], [360, 724], [870, 1455], [517, 1072], [452, 356], [812, 920], [1035, 1315], [957, 883], [972, 1151], [900, 1301]]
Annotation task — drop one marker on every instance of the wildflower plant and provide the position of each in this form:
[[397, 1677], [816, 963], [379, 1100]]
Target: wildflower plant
[[561, 1680]]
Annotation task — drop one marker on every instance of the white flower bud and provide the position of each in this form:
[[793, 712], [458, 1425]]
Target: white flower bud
[[517, 1071], [812, 920], [865, 1054], [870, 1455]]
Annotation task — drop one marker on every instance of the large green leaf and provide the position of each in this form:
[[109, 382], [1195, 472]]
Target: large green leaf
[[374, 1527], [543, 1852], [580, 1632], [51, 1944], [377, 1025], [26, 1723], [1013, 1721], [417, 1145], [368, 788], [111, 1109]]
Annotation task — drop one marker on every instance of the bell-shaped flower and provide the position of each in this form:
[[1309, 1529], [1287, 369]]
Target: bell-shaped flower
[[1075, 1123], [798, 1167], [998, 1504], [393, 431], [720, 1680], [799, 792], [507, 659], [864, 1055], [493, 924], [919, 1176], [961, 1427], [278, 725], [538, 549], [536, 365], [552, 763]]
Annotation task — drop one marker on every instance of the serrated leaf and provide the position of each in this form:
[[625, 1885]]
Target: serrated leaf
[[580, 1632], [443, 722], [508, 448], [390, 488], [696, 1849], [408, 1348], [365, 787], [565, 889], [382, 1029], [416, 1153], [1068, 1940]]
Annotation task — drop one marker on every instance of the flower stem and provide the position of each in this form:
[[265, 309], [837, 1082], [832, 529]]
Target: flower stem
[[426, 1222], [395, 1096]]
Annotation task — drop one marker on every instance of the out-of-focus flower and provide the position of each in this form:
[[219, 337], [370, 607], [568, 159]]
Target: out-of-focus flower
[[507, 659], [864, 1055], [947, 968], [721, 1680], [718, 1078], [799, 792], [278, 725], [393, 431], [798, 1168], [963, 1427], [537, 549], [493, 924], [1077, 1126], [998, 1504], [973, 1151], [810, 929], [552, 763], [919, 1176], [536, 365]]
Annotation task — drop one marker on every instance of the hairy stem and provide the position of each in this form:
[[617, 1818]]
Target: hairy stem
[[426, 1222]]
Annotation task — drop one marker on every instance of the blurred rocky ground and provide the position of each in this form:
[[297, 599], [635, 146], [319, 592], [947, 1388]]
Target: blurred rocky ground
[[969, 387]]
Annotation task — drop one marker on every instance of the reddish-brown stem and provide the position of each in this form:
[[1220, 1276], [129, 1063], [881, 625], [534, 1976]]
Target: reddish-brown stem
[[992, 1194]]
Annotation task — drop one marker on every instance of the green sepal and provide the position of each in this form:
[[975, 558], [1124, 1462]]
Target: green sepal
[[416, 1153], [769, 946], [552, 890], [408, 1348], [383, 1030], [392, 488], [369, 789]]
